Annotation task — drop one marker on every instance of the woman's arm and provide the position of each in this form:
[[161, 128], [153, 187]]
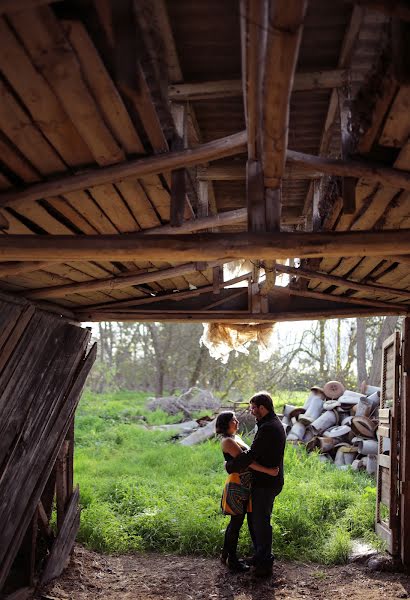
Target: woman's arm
[[273, 472], [231, 447]]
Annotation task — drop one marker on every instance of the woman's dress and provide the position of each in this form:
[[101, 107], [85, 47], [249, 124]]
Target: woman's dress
[[236, 495]]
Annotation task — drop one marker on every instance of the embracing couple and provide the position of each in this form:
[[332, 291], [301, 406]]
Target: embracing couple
[[255, 479]]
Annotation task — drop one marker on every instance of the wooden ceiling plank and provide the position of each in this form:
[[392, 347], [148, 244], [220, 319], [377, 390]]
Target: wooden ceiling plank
[[109, 201], [19, 127], [45, 109], [103, 88], [17, 268], [119, 120], [55, 59], [396, 130], [62, 206], [90, 211], [138, 202], [345, 56], [380, 201]]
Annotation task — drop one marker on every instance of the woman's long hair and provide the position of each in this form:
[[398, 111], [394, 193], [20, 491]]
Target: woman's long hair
[[222, 422]]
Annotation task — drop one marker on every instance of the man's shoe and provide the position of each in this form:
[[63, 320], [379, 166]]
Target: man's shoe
[[250, 560], [263, 571], [237, 566], [224, 556]]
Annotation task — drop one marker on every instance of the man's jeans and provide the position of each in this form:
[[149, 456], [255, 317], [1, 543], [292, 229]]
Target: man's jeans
[[260, 528]]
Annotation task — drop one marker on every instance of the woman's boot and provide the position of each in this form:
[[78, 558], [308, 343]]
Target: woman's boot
[[236, 565]]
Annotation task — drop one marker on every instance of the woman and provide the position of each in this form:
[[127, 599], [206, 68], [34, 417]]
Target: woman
[[236, 497]]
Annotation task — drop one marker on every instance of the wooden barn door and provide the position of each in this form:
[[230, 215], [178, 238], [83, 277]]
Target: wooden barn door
[[404, 507], [387, 504]]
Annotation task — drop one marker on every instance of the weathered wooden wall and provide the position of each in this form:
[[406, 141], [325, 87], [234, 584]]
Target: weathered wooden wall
[[44, 362]]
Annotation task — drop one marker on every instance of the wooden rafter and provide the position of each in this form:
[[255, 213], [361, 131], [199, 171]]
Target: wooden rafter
[[227, 146], [234, 144], [190, 316], [213, 90], [342, 281], [204, 246], [237, 172], [118, 282], [174, 296], [283, 35]]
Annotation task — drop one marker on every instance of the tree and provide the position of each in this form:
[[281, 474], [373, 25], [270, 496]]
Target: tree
[[387, 328], [361, 350]]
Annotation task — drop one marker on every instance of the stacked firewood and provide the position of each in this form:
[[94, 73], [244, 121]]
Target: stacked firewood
[[340, 424]]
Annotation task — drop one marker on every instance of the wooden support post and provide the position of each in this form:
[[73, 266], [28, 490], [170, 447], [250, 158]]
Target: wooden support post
[[217, 274], [255, 193], [178, 181], [316, 220], [347, 147], [203, 199]]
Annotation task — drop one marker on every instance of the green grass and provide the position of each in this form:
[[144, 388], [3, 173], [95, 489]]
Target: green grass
[[140, 491]]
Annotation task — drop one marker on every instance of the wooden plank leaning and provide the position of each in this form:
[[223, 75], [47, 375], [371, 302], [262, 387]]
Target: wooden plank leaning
[[34, 464], [64, 541]]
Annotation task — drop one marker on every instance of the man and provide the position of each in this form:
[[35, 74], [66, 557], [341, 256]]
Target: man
[[267, 449]]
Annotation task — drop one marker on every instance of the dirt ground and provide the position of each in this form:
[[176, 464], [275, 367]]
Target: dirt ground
[[91, 576]]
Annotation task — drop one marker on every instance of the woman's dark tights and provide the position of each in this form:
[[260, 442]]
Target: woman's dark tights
[[232, 534]]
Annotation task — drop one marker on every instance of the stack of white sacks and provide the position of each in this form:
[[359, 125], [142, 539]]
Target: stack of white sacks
[[340, 424]]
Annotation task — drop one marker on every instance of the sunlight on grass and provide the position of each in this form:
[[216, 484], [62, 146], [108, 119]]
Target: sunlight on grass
[[141, 491]]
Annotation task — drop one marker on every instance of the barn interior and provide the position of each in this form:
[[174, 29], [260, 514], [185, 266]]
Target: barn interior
[[146, 147]]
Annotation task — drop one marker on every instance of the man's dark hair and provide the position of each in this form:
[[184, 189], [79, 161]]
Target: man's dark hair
[[222, 422], [262, 399]]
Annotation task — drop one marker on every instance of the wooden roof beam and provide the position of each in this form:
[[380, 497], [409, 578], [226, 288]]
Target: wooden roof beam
[[232, 88], [283, 36], [341, 281], [119, 281], [226, 317], [174, 296], [204, 246], [160, 163], [234, 144], [237, 172]]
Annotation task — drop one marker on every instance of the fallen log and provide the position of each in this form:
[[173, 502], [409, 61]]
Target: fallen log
[[201, 435]]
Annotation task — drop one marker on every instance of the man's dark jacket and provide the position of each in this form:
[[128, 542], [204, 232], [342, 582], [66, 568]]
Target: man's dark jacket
[[267, 449]]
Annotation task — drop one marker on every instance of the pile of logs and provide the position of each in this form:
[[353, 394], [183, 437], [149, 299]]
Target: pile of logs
[[343, 428]]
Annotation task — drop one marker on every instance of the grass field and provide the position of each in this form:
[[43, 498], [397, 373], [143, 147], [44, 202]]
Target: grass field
[[141, 491]]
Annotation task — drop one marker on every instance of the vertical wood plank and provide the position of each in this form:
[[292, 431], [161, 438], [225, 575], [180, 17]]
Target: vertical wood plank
[[178, 177], [405, 448], [255, 193]]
